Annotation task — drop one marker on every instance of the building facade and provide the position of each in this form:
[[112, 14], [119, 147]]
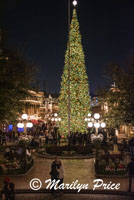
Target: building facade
[[39, 106]]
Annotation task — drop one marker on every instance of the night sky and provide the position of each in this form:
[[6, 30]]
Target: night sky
[[39, 28]]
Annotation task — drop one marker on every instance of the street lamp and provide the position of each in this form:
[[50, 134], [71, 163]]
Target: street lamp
[[75, 3], [55, 114], [96, 138], [55, 118], [95, 122], [89, 115], [24, 116], [90, 124], [97, 116], [103, 125], [20, 125], [29, 125]]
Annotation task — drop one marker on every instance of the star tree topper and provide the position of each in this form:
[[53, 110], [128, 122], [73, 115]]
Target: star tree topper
[[75, 3]]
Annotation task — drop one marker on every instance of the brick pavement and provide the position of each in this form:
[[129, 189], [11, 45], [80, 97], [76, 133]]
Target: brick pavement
[[82, 170], [72, 197]]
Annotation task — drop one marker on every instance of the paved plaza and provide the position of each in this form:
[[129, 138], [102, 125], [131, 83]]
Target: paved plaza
[[73, 197], [79, 169]]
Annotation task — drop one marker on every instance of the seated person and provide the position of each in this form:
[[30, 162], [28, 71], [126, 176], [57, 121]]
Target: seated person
[[19, 151], [28, 153], [7, 152]]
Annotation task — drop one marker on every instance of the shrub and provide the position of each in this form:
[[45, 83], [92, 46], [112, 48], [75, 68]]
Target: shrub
[[54, 150]]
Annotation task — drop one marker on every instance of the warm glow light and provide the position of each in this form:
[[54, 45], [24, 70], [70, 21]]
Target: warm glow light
[[56, 119], [52, 119], [75, 3], [55, 114], [89, 114], [97, 125], [103, 125], [90, 124], [59, 119], [96, 116], [29, 125], [24, 116], [20, 125], [86, 119]]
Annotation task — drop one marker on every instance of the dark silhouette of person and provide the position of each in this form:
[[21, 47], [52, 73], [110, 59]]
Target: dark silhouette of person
[[131, 146], [54, 173], [11, 191], [8, 190]]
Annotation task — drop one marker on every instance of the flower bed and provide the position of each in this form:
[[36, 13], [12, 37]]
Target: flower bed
[[113, 165], [15, 168], [15, 160]]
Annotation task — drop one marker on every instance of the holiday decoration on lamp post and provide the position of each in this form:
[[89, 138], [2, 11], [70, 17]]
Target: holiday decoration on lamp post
[[77, 83]]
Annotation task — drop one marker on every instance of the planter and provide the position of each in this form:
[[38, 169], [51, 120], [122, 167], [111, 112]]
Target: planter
[[24, 169]]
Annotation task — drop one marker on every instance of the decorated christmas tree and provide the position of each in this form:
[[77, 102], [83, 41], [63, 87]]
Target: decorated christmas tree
[[78, 83]]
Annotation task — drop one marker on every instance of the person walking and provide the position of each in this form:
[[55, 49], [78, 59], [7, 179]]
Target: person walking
[[131, 175]]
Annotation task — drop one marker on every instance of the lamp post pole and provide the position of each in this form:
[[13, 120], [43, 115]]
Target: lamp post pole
[[69, 106], [24, 118]]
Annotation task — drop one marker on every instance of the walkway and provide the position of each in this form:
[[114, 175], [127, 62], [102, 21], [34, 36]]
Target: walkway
[[81, 170], [73, 197]]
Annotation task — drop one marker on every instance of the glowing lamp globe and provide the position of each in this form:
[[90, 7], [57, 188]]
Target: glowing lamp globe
[[90, 124], [29, 125], [96, 116], [52, 119], [75, 3], [56, 119], [86, 119], [20, 125], [59, 119], [103, 125], [24, 116], [55, 114], [89, 115], [97, 125]]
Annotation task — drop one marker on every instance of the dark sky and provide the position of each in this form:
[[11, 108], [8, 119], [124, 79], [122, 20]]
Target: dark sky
[[40, 29]]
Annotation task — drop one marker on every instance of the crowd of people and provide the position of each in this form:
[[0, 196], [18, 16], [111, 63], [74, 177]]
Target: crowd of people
[[52, 136], [46, 133]]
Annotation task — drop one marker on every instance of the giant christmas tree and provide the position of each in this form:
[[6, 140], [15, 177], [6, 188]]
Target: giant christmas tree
[[79, 88]]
